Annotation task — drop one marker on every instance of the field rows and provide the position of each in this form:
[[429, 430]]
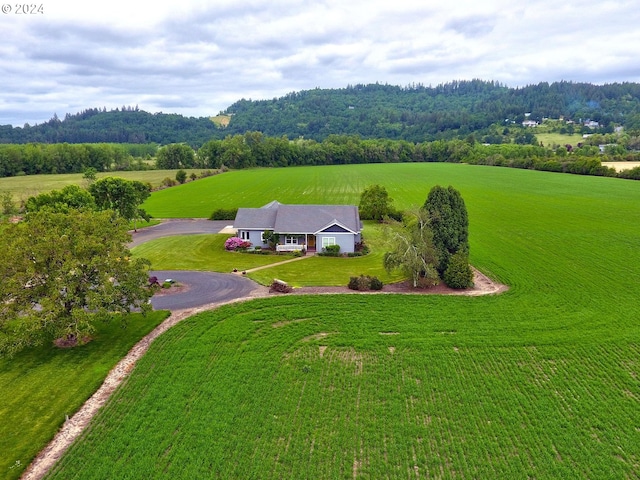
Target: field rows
[[539, 382], [305, 401]]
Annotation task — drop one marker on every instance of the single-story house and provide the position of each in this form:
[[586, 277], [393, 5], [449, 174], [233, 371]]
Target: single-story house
[[311, 227]]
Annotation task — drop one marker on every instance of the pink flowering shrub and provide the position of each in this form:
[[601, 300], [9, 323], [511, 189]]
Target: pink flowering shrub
[[234, 243]]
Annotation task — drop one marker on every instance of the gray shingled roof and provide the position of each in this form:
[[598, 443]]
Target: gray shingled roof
[[297, 218]]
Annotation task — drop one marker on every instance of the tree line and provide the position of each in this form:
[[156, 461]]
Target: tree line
[[419, 113], [41, 158], [254, 149], [126, 125]]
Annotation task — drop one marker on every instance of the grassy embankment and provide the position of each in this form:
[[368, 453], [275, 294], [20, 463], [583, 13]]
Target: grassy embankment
[[41, 386], [541, 381]]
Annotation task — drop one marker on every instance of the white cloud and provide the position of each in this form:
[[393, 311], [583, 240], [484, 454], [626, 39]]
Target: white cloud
[[197, 58]]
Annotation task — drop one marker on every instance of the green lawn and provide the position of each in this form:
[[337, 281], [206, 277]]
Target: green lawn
[[333, 271], [40, 386], [206, 252], [200, 252], [539, 382]]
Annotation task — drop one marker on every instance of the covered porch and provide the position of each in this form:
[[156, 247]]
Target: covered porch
[[297, 242]]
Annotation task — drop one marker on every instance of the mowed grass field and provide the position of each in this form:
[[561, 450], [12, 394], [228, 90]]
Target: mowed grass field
[[550, 139], [540, 382]]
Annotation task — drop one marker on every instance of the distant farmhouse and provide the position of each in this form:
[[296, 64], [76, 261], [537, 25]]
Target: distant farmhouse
[[311, 227]]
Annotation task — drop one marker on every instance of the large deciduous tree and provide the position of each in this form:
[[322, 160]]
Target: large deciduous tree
[[71, 197], [449, 223], [61, 273], [175, 156], [375, 203], [122, 196]]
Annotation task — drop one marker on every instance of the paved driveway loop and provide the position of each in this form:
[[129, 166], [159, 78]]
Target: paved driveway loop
[[202, 288]]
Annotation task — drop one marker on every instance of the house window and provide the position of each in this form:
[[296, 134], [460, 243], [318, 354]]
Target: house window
[[291, 240], [244, 235], [326, 241]]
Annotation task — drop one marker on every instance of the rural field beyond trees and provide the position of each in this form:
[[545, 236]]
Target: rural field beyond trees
[[538, 382]]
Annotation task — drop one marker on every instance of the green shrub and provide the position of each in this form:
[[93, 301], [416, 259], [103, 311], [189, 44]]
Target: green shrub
[[181, 176], [169, 182], [362, 248], [353, 284], [364, 283], [376, 284], [330, 251], [458, 274], [224, 214]]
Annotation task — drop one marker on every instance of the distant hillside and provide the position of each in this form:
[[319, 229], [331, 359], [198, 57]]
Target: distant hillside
[[418, 113], [128, 125], [415, 113]]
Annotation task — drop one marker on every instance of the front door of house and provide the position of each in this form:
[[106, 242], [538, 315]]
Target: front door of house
[[312, 241]]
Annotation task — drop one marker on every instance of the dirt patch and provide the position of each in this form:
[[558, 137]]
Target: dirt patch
[[70, 342], [316, 336], [181, 288]]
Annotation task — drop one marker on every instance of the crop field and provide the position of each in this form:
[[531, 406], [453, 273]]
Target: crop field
[[374, 387], [25, 186], [542, 381], [620, 166]]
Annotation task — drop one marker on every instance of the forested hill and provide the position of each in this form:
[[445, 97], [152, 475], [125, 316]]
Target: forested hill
[[415, 113], [128, 125], [418, 113]]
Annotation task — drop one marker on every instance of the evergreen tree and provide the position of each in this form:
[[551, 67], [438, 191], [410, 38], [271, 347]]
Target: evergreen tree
[[449, 223]]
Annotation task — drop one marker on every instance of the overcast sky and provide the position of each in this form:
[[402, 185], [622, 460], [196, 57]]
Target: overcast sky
[[198, 57]]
